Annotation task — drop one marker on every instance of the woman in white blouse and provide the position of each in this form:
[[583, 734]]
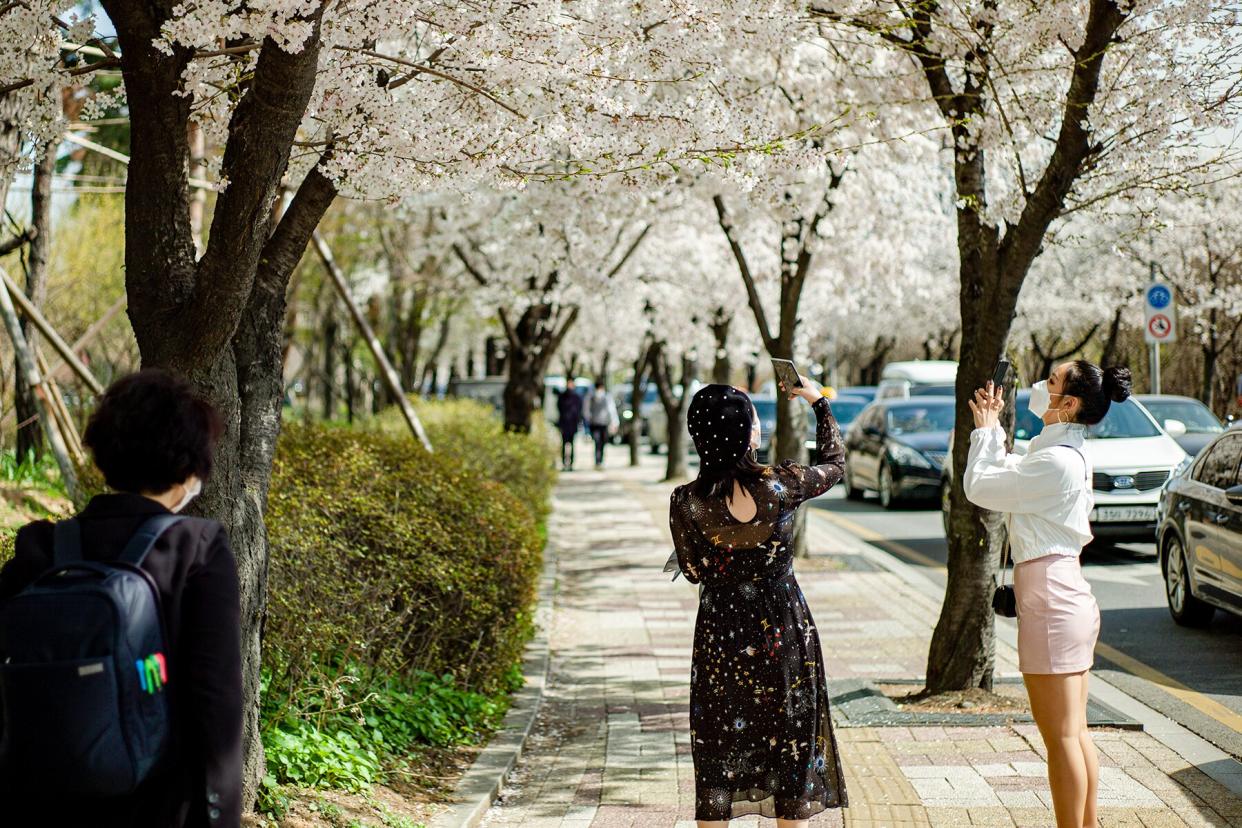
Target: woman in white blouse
[[1046, 495]]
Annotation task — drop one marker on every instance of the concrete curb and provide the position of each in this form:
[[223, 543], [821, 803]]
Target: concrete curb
[[478, 788], [1210, 759]]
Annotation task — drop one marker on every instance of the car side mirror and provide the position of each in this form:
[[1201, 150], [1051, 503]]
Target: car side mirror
[[1234, 495], [1175, 428]]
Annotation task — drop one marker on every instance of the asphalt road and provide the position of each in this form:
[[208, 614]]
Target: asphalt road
[[1192, 676]]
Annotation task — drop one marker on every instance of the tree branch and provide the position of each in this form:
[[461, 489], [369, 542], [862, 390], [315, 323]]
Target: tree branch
[[1073, 147], [630, 252], [15, 243], [261, 134], [752, 295], [470, 268]]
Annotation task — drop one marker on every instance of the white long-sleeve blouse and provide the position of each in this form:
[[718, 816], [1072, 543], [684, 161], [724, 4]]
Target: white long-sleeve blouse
[[1046, 493]]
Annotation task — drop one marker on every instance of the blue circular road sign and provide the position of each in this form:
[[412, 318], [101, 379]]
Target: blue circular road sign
[[1159, 296]]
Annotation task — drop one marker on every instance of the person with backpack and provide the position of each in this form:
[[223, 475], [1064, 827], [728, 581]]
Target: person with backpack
[[120, 643]]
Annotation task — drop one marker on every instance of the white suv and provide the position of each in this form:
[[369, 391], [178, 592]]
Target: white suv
[[1132, 458]]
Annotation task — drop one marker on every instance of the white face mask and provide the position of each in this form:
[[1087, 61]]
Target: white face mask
[[192, 490], [1041, 399]]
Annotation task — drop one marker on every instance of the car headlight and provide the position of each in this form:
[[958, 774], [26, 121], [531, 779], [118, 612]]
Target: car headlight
[[627, 415], [1183, 466], [906, 456]]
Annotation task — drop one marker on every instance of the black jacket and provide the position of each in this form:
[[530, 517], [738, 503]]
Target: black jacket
[[193, 566]]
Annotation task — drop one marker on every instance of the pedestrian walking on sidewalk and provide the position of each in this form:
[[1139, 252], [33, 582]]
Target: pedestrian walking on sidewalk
[[1046, 495], [179, 724], [601, 416], [761, 732], [568, 420]]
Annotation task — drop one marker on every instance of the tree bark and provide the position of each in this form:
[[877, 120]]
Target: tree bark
[[722, 369], [532, 343], [676, 407], [638, 392], [30, 438], [1108, 354], [992, 270], [327, 377], [217, 321]]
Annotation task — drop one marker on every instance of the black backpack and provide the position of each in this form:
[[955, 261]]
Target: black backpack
[[83, 670]]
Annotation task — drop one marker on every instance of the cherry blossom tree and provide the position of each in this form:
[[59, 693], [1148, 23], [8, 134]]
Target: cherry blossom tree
[[1051, 108], [1197, 246], [538, 256], [374, 99]]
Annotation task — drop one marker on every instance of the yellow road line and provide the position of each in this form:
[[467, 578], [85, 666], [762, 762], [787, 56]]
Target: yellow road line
[[1204, 704], [871, 536]]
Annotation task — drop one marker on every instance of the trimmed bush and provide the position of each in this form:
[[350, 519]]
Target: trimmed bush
[[471, 432], [392, 560]]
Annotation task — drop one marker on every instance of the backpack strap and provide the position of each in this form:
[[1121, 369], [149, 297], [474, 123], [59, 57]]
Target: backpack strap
[[135, 552], [66, 542]]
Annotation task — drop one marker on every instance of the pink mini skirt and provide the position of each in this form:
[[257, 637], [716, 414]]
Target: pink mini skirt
[[1058, 618]]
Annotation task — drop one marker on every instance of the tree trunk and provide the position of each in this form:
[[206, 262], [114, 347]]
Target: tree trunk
[[30, 437], [428, 383], [533, 342], [963, 645], [638, 392], [676, 466], [722, 369], [520, 394], [328, 377], [217, 320], [676, 408]]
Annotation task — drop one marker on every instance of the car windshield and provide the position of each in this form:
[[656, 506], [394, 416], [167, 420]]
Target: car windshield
[[1123, 420], [847, 410], [932, 390], [920, 419], [1198, 417]]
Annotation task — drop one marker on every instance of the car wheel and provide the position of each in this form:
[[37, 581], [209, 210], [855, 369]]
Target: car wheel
[[852, 492], [1185, 608], [888, 499]]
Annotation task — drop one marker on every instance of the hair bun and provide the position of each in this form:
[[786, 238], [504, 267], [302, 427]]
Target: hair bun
[[1117, 383]]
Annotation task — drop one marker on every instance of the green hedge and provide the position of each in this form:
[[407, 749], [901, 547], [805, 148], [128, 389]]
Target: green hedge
[[391, 560], [472, 432]]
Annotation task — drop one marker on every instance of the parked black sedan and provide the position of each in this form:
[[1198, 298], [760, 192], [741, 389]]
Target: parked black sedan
[[897, 447], [1200, 534]]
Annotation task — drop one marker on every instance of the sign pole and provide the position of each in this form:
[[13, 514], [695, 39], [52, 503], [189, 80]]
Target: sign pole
[[1161, 321], [1155, 367]]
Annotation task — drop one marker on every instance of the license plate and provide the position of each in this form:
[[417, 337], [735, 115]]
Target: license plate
[[1124, 514]]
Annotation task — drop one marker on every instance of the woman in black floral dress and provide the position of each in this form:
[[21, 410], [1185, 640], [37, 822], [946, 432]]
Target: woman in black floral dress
[[761, 733]]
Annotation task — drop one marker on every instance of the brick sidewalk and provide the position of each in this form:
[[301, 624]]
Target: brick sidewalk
[[612, 744]]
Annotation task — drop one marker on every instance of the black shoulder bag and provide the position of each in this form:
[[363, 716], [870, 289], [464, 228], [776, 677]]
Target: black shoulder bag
[[1004, 600]]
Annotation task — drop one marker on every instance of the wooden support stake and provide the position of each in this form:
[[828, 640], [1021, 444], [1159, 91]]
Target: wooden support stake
[[73, 440], [27, 363], [37, 319], [387, 373]]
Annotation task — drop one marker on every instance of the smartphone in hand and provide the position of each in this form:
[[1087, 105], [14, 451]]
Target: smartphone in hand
[[787, 376], [1001, 373]]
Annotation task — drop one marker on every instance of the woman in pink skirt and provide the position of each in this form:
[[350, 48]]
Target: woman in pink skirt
[[1046, 495]]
